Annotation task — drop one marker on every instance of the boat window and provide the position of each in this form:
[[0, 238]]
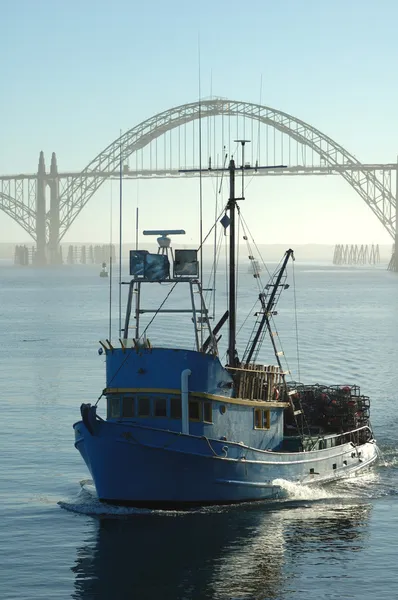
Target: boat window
[[144, 407], [194, 410], [262, 419], [207, 412], [128, 407], [114, 407], [160, 407], [257, 418], [266, 419], [175, 407]]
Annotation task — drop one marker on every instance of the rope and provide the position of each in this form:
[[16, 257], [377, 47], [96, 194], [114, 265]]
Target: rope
[[224, 448]]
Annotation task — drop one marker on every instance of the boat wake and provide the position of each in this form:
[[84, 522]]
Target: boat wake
[[87, 503], [297, 491], [364, 485]]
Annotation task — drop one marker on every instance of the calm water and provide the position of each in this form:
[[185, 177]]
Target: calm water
[[57, 541]]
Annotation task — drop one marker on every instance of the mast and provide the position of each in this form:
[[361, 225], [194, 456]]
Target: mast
[[233, 360], [232, 283]]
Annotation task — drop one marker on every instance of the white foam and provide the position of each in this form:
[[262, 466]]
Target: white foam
[[298, 491], [87, 503]]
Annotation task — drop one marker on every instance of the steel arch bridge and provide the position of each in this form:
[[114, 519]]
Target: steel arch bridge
[[371, 182]]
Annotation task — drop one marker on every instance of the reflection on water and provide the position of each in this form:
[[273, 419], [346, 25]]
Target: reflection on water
[[253, 552]]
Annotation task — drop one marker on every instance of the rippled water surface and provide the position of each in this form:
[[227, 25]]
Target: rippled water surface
[[58, 541]]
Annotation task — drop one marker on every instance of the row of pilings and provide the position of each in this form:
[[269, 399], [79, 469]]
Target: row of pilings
[[94, 255], [84, 255], [355, 254]]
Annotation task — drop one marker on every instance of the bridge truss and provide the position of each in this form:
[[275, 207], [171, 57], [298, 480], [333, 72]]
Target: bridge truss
[[169, 141]]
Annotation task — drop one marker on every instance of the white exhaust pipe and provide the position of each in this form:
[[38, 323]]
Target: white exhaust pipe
[[184, 401]]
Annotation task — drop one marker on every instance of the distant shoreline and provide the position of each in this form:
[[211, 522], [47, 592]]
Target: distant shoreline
[[269, 252]]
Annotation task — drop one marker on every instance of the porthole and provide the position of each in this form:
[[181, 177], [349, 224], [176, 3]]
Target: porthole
[[223, 409]]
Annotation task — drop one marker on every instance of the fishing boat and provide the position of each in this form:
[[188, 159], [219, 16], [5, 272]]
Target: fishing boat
[[183, 429]]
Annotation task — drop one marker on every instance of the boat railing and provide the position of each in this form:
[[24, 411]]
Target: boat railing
[[258, 382], [356, 437]]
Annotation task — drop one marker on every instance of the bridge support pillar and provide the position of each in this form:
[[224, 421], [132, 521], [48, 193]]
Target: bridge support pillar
[[395, 255], [393, 266], [53, 241], [40, 257]]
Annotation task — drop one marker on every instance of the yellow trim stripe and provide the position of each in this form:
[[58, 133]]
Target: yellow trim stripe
[[239, 401]]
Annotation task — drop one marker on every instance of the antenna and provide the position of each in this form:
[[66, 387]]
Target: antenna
[[242, 143], [110, 265], [259, 122], [136, 216], [230, 222], [120, 234], [164, 232], [164, 241], [215, 248], [200, 194]]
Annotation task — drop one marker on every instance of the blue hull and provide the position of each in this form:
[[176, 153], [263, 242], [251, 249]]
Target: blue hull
[[141, 466]]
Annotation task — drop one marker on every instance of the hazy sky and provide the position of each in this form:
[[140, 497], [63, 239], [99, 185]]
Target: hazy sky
[[75, 73]]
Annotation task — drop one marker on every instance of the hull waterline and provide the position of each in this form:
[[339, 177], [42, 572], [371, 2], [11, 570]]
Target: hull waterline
[[129, 467]]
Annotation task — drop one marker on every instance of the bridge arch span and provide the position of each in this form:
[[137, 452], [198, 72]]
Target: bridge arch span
[[20, 213], [378, 197]]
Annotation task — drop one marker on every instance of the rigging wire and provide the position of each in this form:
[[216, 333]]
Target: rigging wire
[[212, 227], [215, 248], [296, 323], [245, 237], [200, 190], [110, 264], [237, 267], [209, 295], [157, 312], [120, 233], [259, 121], [256, 247]]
